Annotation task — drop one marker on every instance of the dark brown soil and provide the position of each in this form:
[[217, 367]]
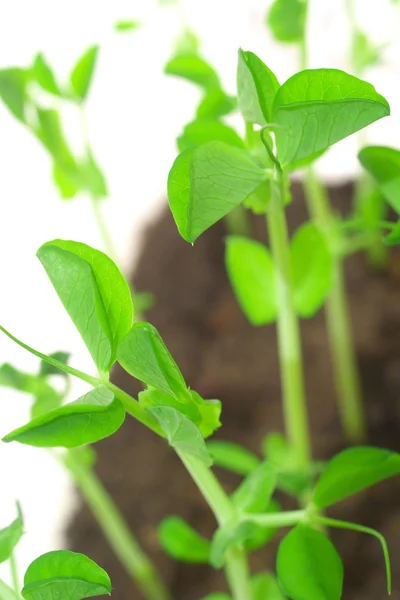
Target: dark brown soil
[[223, 357]]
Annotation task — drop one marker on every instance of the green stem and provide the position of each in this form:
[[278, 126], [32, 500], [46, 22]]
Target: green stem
[[115, 529], [290, 357], [14, 575], [103, 229], [237, 222], [303, 44], [6, 593], [133, 408], [338, 322], [283, 519], [237, 571]]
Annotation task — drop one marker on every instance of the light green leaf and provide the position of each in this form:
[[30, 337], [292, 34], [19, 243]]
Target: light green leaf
[[308, 566], [92, 417], [365, 53], [233, 457], [47, 369], [194, 69], [354, 470], [206, 183], [94, 293], [67, 181], [64, 574], [257, 87], [92, 177], [182, 542], [50, 133], [383, 164], [127, 25], [215, 104], [10, 536], [393, 238], [207, 130], [287, 20], [258, 201], [82, 73], [312, 269], [44, 76], [143, 354], [319, 107], [265, 587], [13, 84], [182, 434], [251, 272], [46, 400], [255, 492]]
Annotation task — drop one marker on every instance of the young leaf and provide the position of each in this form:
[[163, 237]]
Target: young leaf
[[182, 542], [206, 183], [319, 107], [92, 417], [231, 534], [383, 164], [215, 104], [82, 73], [127, 25], [194, 69], [207, 130], [143, 354], [265, 587], [287, 20], [354, 470], [365, 53], [67, 181], [312, 269], [254, 493], [64, 574], [94, 293], [10, 536], [308, 566], [182, 434], [233, 457], [44, 76], [92, 178], [47, 369], [50, 133], [251, 272], [13, 83], [257, 87]]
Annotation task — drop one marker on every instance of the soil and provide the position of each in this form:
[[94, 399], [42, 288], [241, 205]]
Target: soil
[[222, 356]]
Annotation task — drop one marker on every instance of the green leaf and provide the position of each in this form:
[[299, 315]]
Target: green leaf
[[210, 413], [265, 587], [262, 534], [127, 25], [215, 104], [193, 68], [10, 536], [257, 87], [251, 272], [258, 201], [233, 457], [319, 107], [254, 493], [47, 369], [82, 73], [46, 399], [206, 183], [67, 181], [287, 20], [50, 133], [365, 53], [207, 130], [143, 354], [13, 84], [92, 417], [354, 470], [393, 238], [182, 542], [312, 269], [308, 566], [182, 434], [93, 179], [44, 76], [94, 293], [232, 534], [64, 574], [383, 164]]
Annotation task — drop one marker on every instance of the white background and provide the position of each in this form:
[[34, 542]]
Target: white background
[[134, 115]]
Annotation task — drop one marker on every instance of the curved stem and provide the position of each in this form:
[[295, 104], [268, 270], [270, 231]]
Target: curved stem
[[115, 529], [282, 519], [14, 575]]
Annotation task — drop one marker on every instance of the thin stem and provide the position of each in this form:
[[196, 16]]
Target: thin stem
[[7, 593], [344, 360], [283, 519], [237, 571], [14, 575], [103, 229], [303, 44], [133, 408], [290, 356], [115, 529]]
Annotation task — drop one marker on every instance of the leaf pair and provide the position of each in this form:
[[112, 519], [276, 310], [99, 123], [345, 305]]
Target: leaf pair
[[252, 274]]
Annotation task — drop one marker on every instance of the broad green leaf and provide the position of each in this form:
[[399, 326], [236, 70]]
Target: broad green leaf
[[393, 238], [94, 293], [255, 492], [44, 76], [82, 73], [287, 20], [257, 87], [92, 417], [48, 369], [265, 587], [10, 536], [383, 164], [194, 69], [127, 25], [143, 354], [215, 104], [233, 457], [206, 183], [13, 84], [182, 542], [207, 130], [319, 107], [354, 470], [308, 566], [46, 399], [312, 269], [50, 133], [64, 574], [251, 272], [182, 434]]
